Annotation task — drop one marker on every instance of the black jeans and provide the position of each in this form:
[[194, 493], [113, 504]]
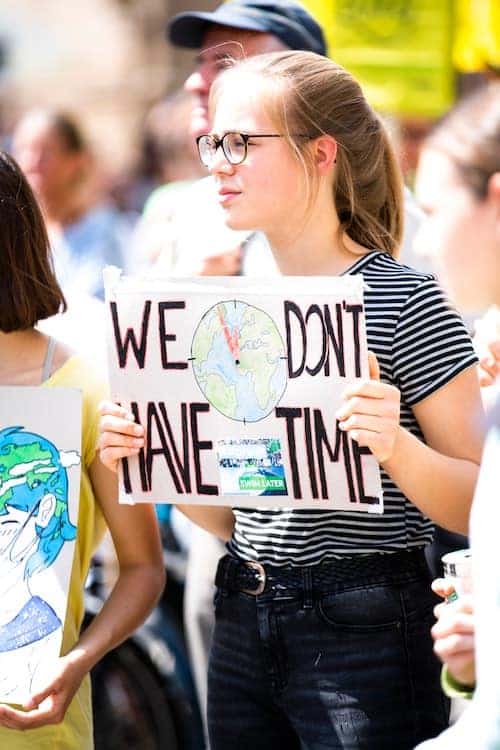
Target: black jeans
[[326, 657]]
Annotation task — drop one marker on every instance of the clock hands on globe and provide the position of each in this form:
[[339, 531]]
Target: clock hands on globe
[[232, 338]]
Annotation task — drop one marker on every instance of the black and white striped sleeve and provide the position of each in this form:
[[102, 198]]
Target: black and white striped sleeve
[[431, 343]]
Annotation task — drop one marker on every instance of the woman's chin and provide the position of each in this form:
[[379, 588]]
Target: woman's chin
[[235, 222]]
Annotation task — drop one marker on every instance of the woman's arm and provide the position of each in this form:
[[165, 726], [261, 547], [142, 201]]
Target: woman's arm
[[141, 577], [140, 582], [440, 477]]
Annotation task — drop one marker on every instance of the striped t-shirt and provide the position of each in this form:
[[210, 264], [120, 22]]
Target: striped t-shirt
[[421, 343]]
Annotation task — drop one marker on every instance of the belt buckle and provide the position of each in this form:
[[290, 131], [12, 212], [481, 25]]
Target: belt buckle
[[262, 578]]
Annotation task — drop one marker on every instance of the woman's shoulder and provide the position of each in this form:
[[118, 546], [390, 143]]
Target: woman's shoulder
[[383, 263], [72, 370], [388, 280]]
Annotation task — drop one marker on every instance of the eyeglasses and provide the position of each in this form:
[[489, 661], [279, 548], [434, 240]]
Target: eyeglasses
[[234, 146]]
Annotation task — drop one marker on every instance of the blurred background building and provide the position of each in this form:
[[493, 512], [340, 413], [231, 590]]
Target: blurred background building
[[107, 62]]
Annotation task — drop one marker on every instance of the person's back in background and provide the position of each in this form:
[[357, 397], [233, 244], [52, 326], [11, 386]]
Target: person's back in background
[[86, 231]]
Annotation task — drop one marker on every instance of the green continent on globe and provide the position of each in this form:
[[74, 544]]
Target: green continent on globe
[[204, 339], [219, 392], [31, 461], [261, 346]]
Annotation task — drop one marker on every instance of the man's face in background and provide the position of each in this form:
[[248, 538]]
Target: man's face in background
[[220, 45]]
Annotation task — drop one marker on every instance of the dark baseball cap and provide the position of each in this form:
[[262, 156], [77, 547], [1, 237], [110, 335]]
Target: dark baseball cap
[[285, 19]]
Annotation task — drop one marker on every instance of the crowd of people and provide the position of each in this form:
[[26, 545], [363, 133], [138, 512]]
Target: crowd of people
[[343, 646]]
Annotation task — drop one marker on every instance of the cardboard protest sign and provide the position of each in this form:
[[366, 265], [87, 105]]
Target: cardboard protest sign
[[237, 384], [40, 446]]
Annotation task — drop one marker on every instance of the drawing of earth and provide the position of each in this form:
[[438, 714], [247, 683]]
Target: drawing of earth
[[23, 467], [239, 360]]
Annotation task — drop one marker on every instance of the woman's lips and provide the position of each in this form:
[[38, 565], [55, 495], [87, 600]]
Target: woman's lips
[[227, 195]]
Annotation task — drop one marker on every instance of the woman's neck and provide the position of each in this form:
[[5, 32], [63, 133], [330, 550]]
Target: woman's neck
[[22, 354], [61, 211], [316, 246]]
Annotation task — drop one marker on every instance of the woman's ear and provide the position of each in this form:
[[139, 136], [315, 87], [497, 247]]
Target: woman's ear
[[494, 188], [325, 153], [493, 198]]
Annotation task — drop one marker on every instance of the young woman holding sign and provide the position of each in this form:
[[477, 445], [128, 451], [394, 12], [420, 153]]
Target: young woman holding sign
[[323, 640], [59, 713]]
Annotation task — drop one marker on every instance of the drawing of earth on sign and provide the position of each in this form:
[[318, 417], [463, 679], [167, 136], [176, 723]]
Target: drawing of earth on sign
[[239, 360]]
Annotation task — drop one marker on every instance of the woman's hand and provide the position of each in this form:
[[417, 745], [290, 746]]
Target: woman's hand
[[225, 263], [454, 634], [121, 436], [487, 344], [489, 365], [49, 704], [371, 413]]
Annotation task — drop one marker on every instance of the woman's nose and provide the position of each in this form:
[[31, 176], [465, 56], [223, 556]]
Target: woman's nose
[[220, 164]]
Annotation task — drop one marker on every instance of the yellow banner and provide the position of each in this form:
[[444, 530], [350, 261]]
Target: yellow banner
[[477, 35], [399, 50]]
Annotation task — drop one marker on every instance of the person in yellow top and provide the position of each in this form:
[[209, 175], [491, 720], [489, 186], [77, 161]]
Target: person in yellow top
[[59, 712]]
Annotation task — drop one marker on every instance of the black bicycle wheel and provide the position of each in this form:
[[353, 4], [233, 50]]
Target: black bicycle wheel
[[131, 709]]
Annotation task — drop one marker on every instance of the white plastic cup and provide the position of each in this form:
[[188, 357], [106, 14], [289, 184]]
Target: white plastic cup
[[457, 570]]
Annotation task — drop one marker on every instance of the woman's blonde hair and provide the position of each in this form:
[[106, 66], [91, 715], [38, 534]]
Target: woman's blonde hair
[[311, 96]]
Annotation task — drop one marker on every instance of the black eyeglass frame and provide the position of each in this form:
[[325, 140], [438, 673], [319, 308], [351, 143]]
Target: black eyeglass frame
[[218, 142]]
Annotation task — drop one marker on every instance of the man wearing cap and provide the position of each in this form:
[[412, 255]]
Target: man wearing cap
[[241, 28]]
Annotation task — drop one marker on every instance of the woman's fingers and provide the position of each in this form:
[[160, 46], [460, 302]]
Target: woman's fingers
[[117, 425], [448, 610], [113, 409], [458, 623], [381, 444], [114, 441], [453, 645], [373, 366], [110, 455], [120, 440], [375, 424], [361, 405], [489, 368], [458, 655], [371, 416], [366, 388], [453, 636], [442, 587], [120, 436], [370, 397]]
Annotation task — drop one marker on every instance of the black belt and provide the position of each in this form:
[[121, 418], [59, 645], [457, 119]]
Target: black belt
[[254, 578]]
